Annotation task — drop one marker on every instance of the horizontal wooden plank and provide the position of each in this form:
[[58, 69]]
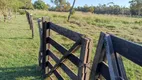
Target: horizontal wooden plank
[[63, 51], [128, 49], [65, 32], [63, 66], [69, 72], [57, 74], [104, 70]]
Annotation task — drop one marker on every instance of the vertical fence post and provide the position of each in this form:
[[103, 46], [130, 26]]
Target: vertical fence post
[[31, 25], [48, 44], [40, 35], [44, 25], [83, 71]]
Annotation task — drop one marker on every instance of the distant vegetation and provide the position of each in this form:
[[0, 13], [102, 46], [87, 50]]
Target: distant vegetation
[[9, 6], [19, 52]]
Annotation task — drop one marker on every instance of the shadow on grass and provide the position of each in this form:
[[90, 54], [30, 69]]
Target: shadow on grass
[[22, 73]]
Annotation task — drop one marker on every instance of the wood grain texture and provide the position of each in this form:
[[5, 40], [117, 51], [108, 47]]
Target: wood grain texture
[[99, 55], [128, 49], [66, 32]]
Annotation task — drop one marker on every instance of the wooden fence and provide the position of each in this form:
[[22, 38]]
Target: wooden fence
[[40, 26], [30, 21], [80, 42], [107, 62]]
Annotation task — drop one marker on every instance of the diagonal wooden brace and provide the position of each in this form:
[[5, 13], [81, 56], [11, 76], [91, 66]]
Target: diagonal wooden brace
[[72, 49]]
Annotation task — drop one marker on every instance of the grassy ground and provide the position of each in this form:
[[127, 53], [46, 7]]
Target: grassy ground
[[19, 53]]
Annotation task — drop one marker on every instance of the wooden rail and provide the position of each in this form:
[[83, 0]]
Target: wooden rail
[[80, 42], [30, 21], [107, 61]]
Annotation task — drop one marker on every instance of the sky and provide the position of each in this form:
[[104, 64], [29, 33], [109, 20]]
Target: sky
[[93, 2]]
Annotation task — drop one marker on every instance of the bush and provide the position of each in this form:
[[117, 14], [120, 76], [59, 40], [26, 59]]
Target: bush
[[21, 12]]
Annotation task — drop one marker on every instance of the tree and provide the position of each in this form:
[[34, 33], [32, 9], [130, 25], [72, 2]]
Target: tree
[[40, 5], [91, 9], [60, 4], [136, 7], [4, 8], [71, 10], [26, 4]]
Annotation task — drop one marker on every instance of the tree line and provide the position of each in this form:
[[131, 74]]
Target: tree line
[[7, 6], [109, 8]]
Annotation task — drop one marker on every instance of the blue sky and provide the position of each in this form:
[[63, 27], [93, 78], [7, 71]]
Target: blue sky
[[94, 2]]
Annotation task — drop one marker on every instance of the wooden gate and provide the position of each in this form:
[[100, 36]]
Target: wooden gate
[[107, 61], [81, 42]]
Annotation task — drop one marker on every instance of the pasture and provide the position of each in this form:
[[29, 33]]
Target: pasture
[[19, 52]]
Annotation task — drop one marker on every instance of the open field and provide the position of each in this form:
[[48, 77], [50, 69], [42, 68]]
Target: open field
[[19, 53]]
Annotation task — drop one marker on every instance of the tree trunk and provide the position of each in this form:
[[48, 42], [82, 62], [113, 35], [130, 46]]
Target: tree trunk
[[71, 10], [139, 12]]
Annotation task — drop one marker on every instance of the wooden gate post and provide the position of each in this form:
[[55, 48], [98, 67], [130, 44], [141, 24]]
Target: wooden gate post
[[44, 47], [83, 71], [48, 45]]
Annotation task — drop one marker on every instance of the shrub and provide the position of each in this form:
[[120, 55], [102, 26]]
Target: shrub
[[21, 12]]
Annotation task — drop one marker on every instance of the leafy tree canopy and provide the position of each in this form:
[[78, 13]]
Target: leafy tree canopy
[[39, 4]]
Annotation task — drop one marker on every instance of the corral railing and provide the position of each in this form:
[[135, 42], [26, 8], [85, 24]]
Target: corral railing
[[40, 26], [80, 42], [107, 61], [30, 21]]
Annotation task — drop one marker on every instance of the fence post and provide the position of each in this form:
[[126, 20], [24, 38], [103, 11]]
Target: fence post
[[48, 45], [44, 25], [31, 25], [83, 71], [40, 35]]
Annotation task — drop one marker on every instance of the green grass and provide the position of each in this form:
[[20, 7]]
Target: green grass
[[19, 53]]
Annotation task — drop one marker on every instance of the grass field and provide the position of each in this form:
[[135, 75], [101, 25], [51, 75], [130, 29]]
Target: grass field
[[19, 52]]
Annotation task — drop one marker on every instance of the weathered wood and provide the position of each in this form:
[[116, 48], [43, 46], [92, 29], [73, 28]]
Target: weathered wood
[[110, 54], [82, 63], [121, 67], [40, 35], [57, 74], [98, 57], [64, 67], [53, 56], [128, 49], [104, 70], [65, 32], [48, 45], [30, 21], [31, 25], [69, 72], [44, 47], [83, 71], [63, 51], [28, 18], [62, 60]]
